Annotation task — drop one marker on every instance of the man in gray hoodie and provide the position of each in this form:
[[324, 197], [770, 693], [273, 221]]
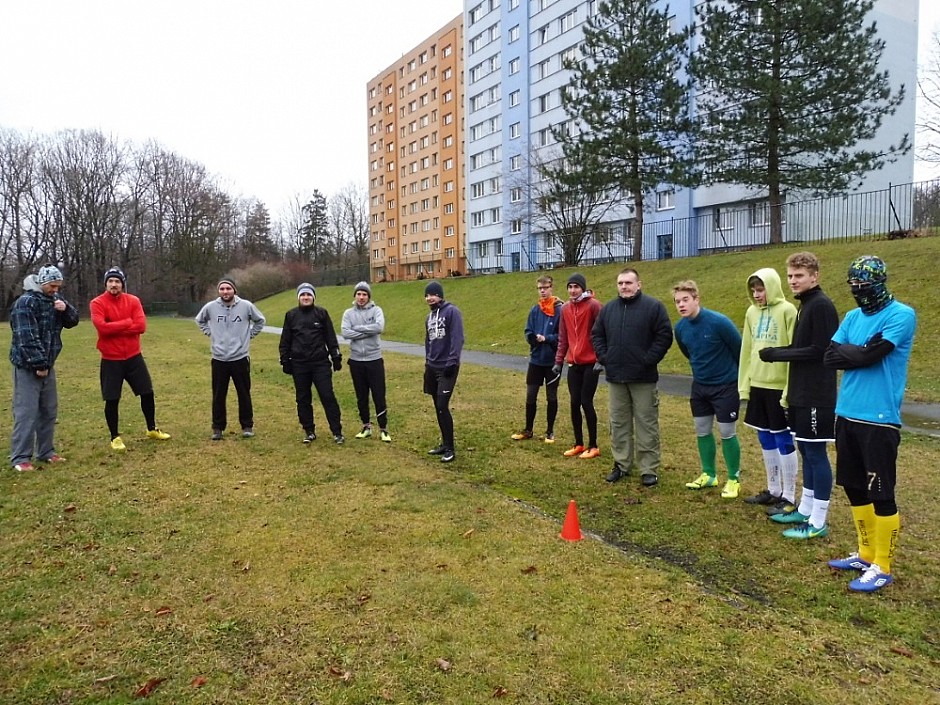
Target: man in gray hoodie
[[230, 322], [362, 326]]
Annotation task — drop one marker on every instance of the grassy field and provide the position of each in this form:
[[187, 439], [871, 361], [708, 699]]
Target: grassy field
[[264, 571]]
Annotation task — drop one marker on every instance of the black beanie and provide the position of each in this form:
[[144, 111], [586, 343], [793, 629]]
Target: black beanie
[[578, 279], [115, 273], [434, 288]]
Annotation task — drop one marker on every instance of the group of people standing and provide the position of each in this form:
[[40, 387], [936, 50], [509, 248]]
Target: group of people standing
[[783, 365]]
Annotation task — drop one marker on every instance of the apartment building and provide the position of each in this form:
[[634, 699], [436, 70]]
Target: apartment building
[[514, 75], [416, 148]]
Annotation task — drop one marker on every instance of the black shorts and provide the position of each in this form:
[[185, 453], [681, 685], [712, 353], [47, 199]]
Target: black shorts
[[718, 400], [537, 375], [436, 383], [867, 457], [764, 412], [812, 423], [114, 372]]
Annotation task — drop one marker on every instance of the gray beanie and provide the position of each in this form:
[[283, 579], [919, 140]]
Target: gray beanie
[[229, 281], [578, 278], [434, 288], [363, 286], [306, 288], [48, 274]]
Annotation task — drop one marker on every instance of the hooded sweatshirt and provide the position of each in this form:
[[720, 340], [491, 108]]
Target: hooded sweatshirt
[[362, 327], [574, 334], [540, 323], [443, 338], [230, 327], [765, 326]]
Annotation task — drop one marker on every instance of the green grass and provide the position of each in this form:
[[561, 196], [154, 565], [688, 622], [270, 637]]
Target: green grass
[[280, 573]]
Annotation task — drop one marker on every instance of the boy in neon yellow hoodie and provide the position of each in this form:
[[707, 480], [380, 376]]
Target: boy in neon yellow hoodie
[[769, 322]]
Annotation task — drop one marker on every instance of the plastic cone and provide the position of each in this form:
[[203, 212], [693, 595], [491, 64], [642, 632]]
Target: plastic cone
[[571, 530]]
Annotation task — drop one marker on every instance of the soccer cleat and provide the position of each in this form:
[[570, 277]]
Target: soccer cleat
[[439, 450], [118, 445], [763, 497], [572, 452], [158, 435], [793, 517], [339, 439], [310, 438], [216, 434], [54, 458], [806, 531], [783, 506], [521, 435], [874, 578], [549, 438], [366, 432], [248, 433], [731, 489], [850, 562], [591, 452], [384, 436], [702, 481], [448, 456], [25, 466]]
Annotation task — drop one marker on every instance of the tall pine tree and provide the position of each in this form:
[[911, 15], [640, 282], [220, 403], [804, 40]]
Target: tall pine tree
[[788, 91], [628, 104]]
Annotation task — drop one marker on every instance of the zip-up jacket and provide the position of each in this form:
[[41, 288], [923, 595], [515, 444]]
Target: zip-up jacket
[[36, 326], [539, 323], [713, 346], [362, 326], [308, 338], [574, 333], [230, 327], [765, 326], [443, 337], [120, 322], [630, 337]]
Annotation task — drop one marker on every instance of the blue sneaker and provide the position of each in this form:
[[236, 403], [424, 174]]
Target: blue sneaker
[[850, 562], [806, 531], [874, 578], [793, 517]]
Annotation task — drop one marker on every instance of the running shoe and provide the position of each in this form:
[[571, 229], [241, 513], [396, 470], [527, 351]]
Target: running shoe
[[521, 435], [118, 445], [158, 435], [850, 562], [572, 452], [793, 517], [763, 497], [383, 434], [25, 466], [54, 458], [874, 578], [731, 489], [702, 481], [806, 531], [591, 452], [549, 438]]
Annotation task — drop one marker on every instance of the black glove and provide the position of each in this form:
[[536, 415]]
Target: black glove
[[598, 367], [767, 354], [337, 363], [288, 367], [556, 370], [451, 371]]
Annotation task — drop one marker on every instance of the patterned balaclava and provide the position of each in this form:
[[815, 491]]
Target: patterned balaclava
[[867, 277]]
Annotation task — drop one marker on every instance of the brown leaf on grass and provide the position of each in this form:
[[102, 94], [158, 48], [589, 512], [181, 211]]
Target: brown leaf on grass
[[441, 566], [209, 598], [246, 567], [147, 688], [632, 500], [340, 674], [163, 612], [500, 692], [468, 533], [105, 679], [112, 570], [902, 651], [531, 569], [443, 664], [387, 696], [198, 681], [70, 508], [363, 598]]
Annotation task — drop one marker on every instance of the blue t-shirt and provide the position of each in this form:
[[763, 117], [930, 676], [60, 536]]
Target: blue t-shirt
[[874, 393], [712, 344]]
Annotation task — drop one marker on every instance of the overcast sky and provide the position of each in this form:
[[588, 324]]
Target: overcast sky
[[270, 95]]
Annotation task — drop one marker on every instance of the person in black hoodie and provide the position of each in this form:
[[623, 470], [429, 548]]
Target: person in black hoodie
[[443, 343], [631, 336], [309, 352]]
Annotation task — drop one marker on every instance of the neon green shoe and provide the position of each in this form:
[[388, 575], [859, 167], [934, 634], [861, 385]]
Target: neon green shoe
[[384, 435], [158, 435], [117, 445], [702, 481], [731, 490], [366, 432]]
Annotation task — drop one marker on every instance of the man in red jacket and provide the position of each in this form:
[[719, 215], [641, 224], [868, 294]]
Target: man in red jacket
[[119, 319]]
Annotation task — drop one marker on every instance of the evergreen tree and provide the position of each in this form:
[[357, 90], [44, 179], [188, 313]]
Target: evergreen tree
[[314, 232], [628, 104], [787, 92]]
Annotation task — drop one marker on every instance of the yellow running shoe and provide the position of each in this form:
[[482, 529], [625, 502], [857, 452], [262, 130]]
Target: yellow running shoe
[[118, 445], [731, 489], [702, 481], [158, 435]]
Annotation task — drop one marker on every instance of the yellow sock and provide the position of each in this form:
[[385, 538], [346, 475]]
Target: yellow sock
[[886, 539], [864, 517]]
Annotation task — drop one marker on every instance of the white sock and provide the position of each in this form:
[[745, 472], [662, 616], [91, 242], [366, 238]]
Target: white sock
[[806, 503], [820, 512], [772, 466], [789, 467]]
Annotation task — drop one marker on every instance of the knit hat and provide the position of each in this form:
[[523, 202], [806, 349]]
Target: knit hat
[[434, 288], [306, 288], [363, 286], [115, 273], [229, 281], [48, 274], [578, 279]]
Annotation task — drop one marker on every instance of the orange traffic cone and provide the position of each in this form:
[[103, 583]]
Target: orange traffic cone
[[571, 530]]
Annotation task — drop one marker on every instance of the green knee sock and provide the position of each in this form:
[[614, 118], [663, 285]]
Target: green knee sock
[[706, 451], [731, 449]]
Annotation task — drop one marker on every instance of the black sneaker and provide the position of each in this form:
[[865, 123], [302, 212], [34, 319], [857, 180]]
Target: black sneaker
[[615, 474], [310, 438], [649, 480], [248, 432], [216, 434], [440, 450], [782, 506], [448, 456], [762, 497], [339, 438]]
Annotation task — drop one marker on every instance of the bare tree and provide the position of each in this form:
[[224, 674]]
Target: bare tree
[[928, 122], [20, 243]]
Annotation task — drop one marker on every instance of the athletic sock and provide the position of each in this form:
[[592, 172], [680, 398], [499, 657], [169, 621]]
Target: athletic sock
[[887, 530], [731, 450], [807, 503], [789, 467], [706, 451], [772, 466], [864, 517], [819, 512]]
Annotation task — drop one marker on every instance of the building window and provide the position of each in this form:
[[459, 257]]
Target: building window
[[513, 34], [515, 194], [514, 99], [723, 219], [514, 66], [567, 21], [515, 226], [515, 130], [665, 200], [514, 162]]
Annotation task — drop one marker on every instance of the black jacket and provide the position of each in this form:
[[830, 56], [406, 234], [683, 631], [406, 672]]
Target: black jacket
[[631, 337], [809, 382], [308, 337]]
